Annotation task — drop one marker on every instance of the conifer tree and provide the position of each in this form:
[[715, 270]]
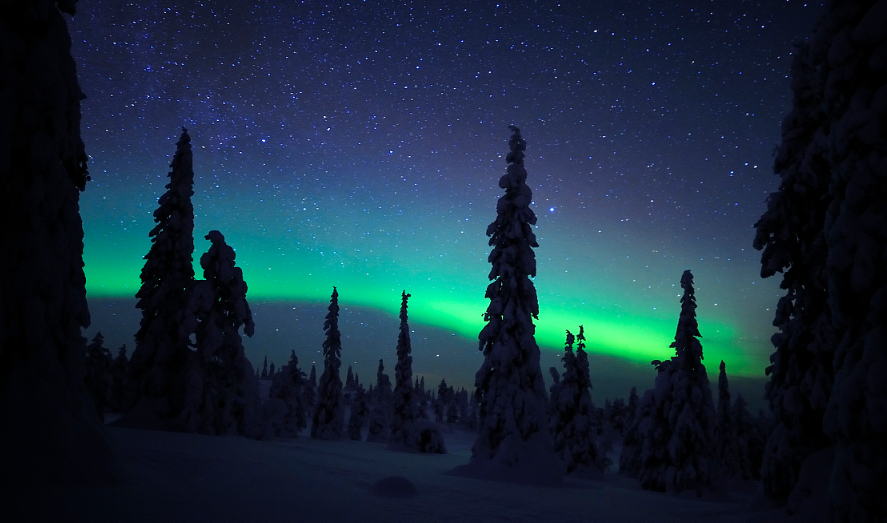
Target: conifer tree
[[725, 430], [751, 440], [790, 234], [265, 368], [855, 227], [404, 404], [380, 415], [288, 386], [349, 379], [159, 361], [359, 414], [573, 411], [679, 448], [99, 374], [329, 413], [218, 399], [43, 168], [271, 371], [513, 436]]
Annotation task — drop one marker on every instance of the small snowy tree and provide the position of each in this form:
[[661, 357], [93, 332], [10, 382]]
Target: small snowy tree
[[287, 385], [513, 439], [99, 374], [160, 359], [751, 440], [725, 430], [573, 413], [329, 413], [359, 414], [218, 397], [265, 368], [380, 415]]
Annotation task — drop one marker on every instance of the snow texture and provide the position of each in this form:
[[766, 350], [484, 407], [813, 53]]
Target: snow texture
[[218, 397], [160, 361], [513, 439], [329, 413], [49, 430]]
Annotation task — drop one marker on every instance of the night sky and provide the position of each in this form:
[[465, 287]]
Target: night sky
[[360, 145]]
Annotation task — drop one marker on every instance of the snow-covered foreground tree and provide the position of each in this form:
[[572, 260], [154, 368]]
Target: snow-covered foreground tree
[[825, 230], [159, 362], [679, 451], [329, 414], [513, 441], [408, 430], [221, 391], [48, 432]]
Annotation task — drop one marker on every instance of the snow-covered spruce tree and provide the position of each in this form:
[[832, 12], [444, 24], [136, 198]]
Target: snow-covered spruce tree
[[359, 413], [265, 368], [852, 64], [48, 431], [630, 459], [404, 404], [311, 389], [685, 414], [725, 430], [218, 397], [380, 414], [99, 374], [158, 364], [513, 441], [288, 385], [408, 430], [572, 414], [329, 413], [750, 440], [790, 233]]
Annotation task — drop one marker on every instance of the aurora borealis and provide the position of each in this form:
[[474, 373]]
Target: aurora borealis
[[360, 144]]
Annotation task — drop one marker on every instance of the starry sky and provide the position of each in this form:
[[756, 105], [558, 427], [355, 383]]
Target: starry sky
[[359, 144]]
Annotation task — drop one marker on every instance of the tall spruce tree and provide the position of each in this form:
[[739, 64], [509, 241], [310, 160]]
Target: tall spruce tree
[[329, 413], [854, 70], [680, 452], [160, 359], [404, 402], [824, 229], [790, 233], [218, 399], [513, 438], [47, 432]]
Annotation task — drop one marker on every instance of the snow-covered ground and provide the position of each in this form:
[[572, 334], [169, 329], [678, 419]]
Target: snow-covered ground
[[195, 478]]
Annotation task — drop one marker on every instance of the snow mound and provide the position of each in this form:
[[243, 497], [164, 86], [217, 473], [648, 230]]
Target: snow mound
[[528, 462], [394, 487]]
